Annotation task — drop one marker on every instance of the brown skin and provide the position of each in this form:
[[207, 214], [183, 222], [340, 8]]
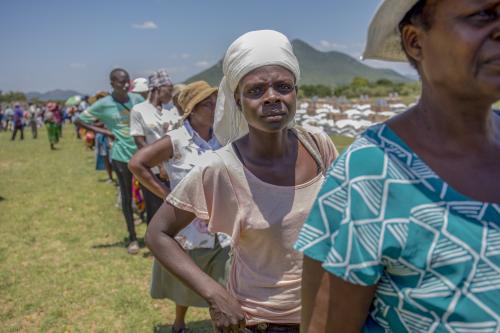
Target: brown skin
[[459, 62], [267, 98], [120, 82], [315, 294], [329, 304], [463, 46]]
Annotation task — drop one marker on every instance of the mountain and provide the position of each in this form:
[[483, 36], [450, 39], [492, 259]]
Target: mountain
[[329, 68], [53, 95]]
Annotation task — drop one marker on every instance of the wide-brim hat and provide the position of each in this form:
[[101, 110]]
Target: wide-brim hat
[[384, 39], [193, 94]]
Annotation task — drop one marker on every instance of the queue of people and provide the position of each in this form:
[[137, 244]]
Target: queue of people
[[399, 233], [269, 227]]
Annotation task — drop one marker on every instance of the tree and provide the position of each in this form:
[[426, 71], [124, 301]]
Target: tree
[[359, 82], [312, 90], [12, 96], [384, 82]]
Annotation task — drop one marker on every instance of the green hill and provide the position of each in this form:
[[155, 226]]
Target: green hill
[[328, 68]]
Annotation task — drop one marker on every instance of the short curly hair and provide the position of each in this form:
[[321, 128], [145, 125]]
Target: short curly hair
[[421, 14]]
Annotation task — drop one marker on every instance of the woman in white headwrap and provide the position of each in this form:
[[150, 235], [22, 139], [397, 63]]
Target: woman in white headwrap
[[258, 189]]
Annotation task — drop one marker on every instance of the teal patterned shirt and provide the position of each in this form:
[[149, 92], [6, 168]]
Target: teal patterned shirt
[[384, 218]]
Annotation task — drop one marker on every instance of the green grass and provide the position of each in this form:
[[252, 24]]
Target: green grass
[[63, 262], [341, 142]]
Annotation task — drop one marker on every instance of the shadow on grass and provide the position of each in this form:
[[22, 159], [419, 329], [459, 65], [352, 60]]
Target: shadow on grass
[[2, 198], [147, 254], [122, 244], [201, 326], [106, 180]]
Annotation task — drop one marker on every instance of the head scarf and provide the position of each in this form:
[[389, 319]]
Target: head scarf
[[158, 79], [250, 51], [193, 94]]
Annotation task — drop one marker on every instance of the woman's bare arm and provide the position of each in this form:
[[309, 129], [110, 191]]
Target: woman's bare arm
[[150, 156], [168, 221], [96, 129], [333, 305], [315, 294]]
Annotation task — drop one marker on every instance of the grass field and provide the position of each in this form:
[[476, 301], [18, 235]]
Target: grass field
[[63, 262], [341, 142]]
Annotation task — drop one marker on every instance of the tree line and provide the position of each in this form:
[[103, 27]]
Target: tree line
[[12, 96], [361, 86]]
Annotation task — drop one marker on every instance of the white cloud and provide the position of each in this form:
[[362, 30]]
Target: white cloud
[[77, 65], [147, 25], [177, 56], [326, 45], [202, 64]]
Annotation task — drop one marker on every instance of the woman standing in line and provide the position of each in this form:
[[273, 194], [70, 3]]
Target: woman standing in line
[[178, 152], [407, 225], [258, 189]]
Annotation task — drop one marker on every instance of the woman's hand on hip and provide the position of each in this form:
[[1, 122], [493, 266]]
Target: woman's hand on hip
[[226, 313]]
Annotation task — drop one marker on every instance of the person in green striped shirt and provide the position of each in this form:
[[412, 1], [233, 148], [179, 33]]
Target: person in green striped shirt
[[114, 112]]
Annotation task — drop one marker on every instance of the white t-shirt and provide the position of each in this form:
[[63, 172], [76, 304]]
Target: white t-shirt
[[146, 120]]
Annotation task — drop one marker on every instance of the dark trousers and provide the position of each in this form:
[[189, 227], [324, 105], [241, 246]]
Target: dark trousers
[[125, 182], [153, 202], [34, 129], [18, 128]]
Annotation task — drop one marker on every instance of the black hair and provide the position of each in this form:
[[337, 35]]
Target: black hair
[[420, 15], [115, 71]]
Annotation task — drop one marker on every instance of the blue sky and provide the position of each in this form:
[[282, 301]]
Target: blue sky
[[72, 44]]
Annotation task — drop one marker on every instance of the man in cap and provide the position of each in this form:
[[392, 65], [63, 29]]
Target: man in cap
[[114, 112]]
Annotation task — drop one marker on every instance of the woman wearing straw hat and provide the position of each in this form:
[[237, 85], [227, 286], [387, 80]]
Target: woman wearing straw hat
[[407, 225], [179, 151], [258, 189]]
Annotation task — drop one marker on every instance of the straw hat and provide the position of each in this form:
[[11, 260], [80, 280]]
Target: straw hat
[[193, 94], [177, 88], [384, 39]]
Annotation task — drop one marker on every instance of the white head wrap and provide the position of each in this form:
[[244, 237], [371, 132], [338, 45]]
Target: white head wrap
[[250, 51]]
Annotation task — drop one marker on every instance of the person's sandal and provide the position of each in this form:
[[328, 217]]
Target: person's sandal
[[133, 247]]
